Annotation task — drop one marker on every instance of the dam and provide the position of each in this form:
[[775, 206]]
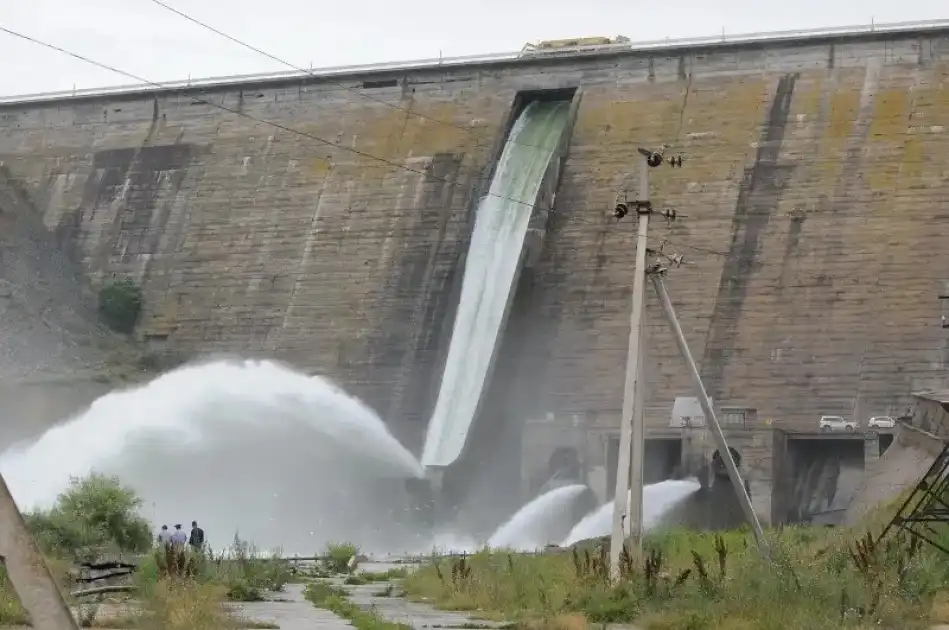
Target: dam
[[287, 216]]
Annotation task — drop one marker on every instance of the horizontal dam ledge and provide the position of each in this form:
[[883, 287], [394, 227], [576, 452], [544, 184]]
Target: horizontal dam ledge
[[751, 41]]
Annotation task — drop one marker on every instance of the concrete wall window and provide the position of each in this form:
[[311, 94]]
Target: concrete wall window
[[733, 417]]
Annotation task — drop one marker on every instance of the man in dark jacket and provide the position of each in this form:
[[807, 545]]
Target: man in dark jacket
[[196, 539]]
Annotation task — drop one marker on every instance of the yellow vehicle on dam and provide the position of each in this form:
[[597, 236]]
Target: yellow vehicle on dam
[[573, 45]]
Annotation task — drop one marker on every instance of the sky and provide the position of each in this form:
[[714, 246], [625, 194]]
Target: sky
[[142, 38]]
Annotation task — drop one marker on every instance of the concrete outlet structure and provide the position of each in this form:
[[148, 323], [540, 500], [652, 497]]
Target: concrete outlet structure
[[791, 476]]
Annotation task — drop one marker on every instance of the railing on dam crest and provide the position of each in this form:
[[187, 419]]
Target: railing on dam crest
[[669, 44]]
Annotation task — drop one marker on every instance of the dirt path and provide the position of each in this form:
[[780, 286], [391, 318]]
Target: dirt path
[[292, 612]]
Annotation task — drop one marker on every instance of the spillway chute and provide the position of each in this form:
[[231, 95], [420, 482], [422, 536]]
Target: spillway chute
[[493, 263]]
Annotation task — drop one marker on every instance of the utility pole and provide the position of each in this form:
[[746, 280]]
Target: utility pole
[[628, 497], [637, 449], [733, 474]]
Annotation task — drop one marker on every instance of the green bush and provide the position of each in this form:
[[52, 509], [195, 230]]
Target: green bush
[[338, 556], [120, 304], [95, 513]]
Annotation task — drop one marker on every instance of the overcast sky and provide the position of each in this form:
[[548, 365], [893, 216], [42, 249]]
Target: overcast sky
[[140, 37]]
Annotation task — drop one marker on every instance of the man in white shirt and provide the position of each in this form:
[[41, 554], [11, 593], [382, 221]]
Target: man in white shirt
[[179, 538], [164, 536]]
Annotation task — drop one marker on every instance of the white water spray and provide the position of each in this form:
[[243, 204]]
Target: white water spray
[[534, 525], [287, 459], [658, 499]]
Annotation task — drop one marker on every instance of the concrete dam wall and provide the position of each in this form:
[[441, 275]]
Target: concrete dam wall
[[48, 323], [814, 188]]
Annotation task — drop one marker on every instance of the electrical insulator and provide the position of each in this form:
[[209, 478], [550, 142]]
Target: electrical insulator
[[620, 211], [653, 158]]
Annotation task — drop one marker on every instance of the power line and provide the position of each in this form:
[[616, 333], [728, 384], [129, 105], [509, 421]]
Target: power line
[[236, 112], [284, 62]]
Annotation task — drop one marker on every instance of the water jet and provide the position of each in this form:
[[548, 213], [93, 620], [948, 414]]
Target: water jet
[[287, 459]]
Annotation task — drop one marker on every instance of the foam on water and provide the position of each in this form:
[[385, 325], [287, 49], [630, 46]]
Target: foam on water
[[288, 459], [658, 499], [534, 525]]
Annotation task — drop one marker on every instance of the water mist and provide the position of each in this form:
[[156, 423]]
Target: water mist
[[287, 459]]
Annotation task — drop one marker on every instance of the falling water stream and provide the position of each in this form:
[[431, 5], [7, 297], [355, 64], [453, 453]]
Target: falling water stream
[[491, 267]]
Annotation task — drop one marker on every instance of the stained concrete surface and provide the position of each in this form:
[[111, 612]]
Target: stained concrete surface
[[50, 323]]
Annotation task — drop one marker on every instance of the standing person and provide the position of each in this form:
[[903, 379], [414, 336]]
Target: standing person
[[179, 538], [196, 539], [164, 536]]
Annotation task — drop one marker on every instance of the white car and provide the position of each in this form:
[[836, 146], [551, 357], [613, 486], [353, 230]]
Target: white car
[[837, 423], [881, 422]]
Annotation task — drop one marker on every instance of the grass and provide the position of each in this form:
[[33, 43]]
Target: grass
[[162, 605], [11, 612], [182, 605], [368, 577], [334, 599], [98, 516], [245, 575], [183, 591], [819, 579]]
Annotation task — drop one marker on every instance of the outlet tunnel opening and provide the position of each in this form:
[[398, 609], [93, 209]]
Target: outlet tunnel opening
[[884, 440], [663, 460], [825, 475], [718, 463]]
